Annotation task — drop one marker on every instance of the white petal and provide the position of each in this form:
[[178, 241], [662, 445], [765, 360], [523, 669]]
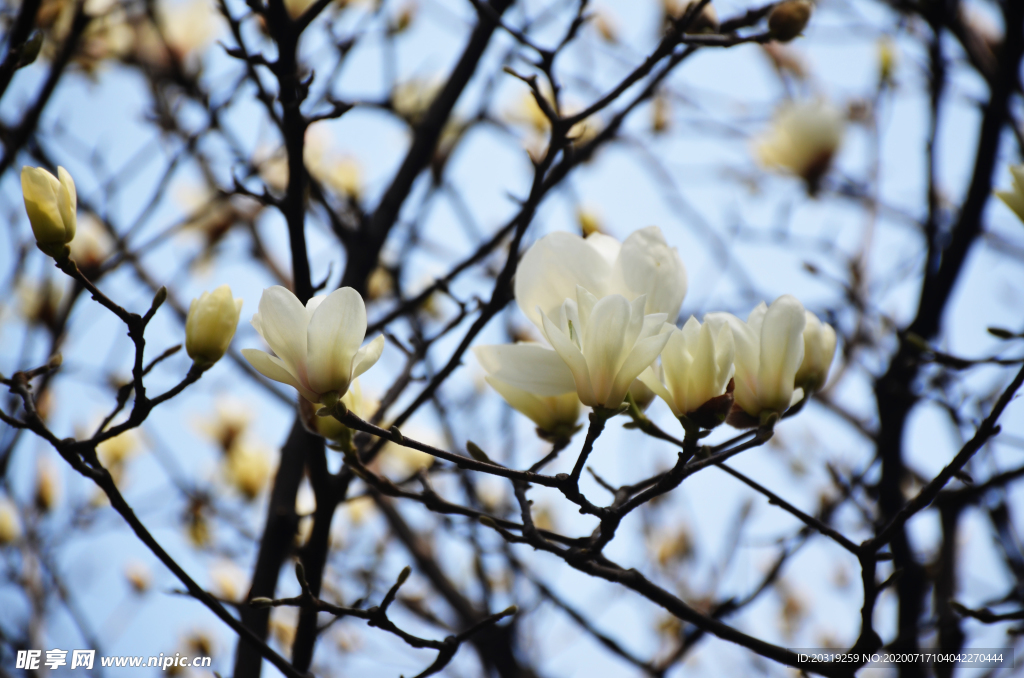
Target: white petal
[[725, 354], [747, 358], [282, 322], [756, 317], [573, 358], [67, 202], [367, 356], [647, 265], [273, 368], [651, 381], [782, 351], [584, 304], [335, 332], [607, 246], [640, 358], [606, 347], [313, 304], [551, 269], [529, 367]]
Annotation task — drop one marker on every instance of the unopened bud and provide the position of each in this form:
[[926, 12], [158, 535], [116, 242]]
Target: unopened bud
[[475, 452], [789, 19], [210, 325]]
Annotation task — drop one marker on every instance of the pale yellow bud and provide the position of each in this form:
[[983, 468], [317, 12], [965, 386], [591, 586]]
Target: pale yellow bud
[[789, 19], [606, 27], [403, 20], [1014, 198], [117, 450], [248, 470], [411, 99], [47, 492], [10, 524], [138, 576], [589, 221], [886, 59], [380, 284], [51, 205], [661, 113], [210, 325]]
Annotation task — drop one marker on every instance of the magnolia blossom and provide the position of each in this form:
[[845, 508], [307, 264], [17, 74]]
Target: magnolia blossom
[[1014, 198], [696, 366], [643, 264], [602, 344], [317, 346], [210, 325], [769, 351], [803, 139], [51, 204], [554, 414], [819, 349], [602, 307]]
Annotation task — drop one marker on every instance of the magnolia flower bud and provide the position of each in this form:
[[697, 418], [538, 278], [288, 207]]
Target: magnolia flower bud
[[10, 524], [51, 205], [1014, 198], [789, 19], [211, 323], [318, 347], [819, 349]]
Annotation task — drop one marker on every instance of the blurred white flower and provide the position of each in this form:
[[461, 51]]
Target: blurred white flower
[[803, 139], [92, 243]]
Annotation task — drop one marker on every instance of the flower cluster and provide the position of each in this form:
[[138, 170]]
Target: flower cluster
[[607, 312]]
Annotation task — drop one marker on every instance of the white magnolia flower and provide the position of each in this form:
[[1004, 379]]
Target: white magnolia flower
[[802, 140], [1014, 198], [601, 305], [554, 414], [769, 351], [210, 325], [317, 346], [643, 264], [51, 204], [819, 349], [602, 345], [696, 366]]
